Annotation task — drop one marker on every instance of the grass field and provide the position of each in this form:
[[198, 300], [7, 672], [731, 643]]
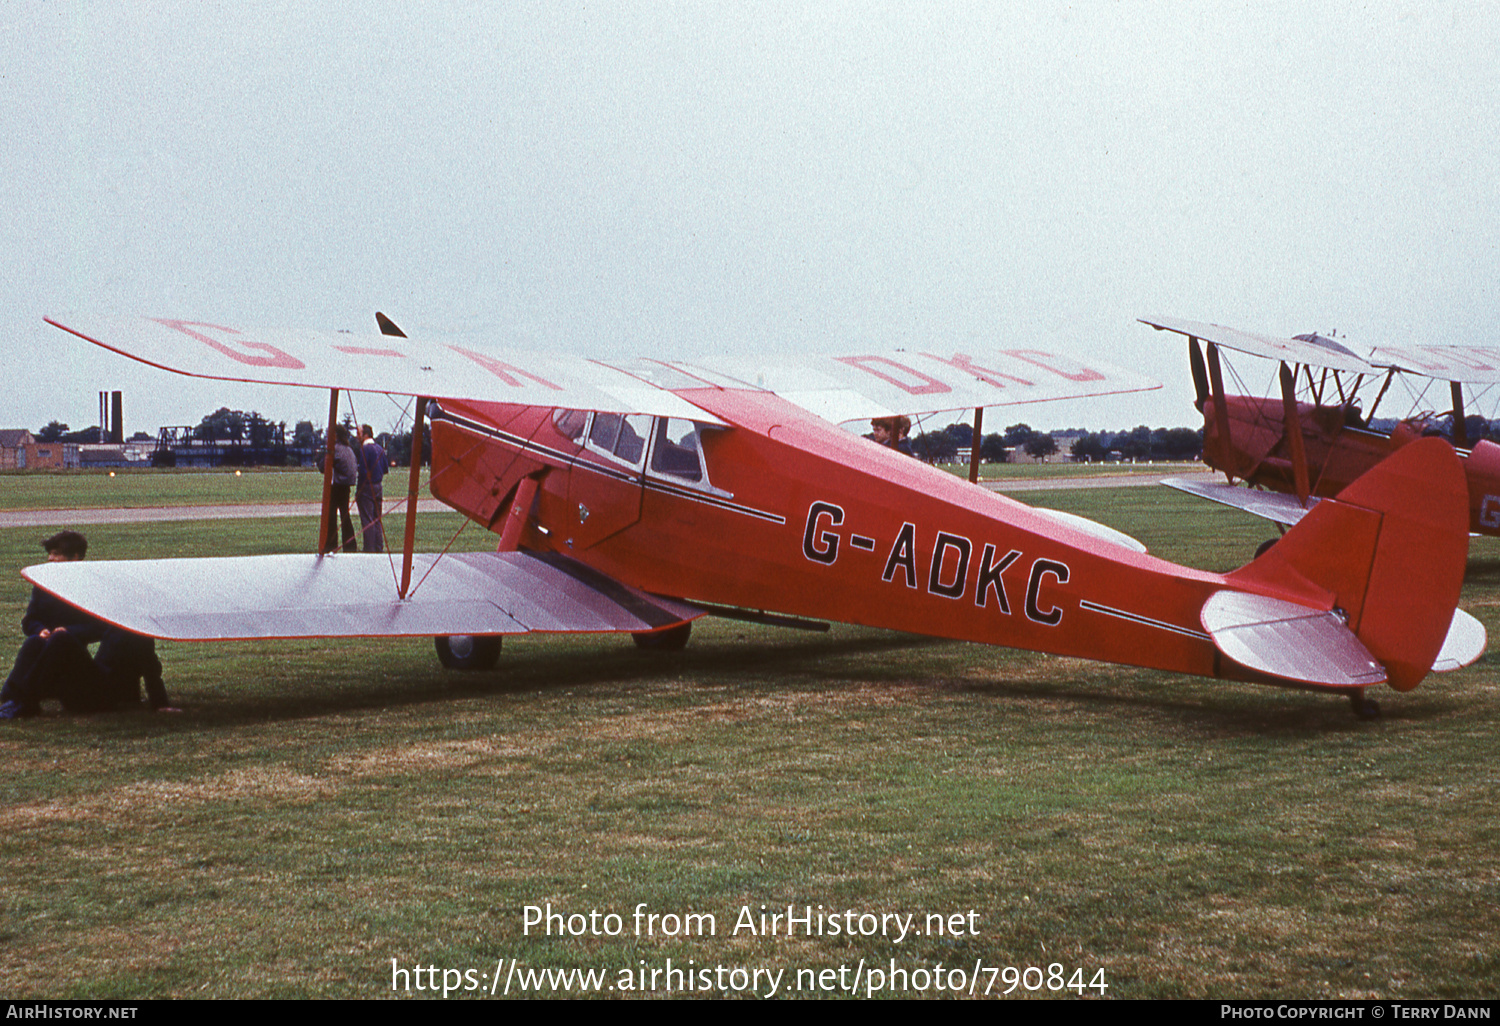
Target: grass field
[[321, 809], [95, 489]]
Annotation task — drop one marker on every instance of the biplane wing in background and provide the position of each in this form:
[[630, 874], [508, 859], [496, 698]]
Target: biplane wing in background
[[679, 487], [1316, 437], [1277, 507]]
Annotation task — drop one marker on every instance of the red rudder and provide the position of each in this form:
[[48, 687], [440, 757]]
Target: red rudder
[[1389, 551]]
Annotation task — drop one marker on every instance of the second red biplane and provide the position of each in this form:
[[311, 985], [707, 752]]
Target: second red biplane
[[1315, 438], [635, 496]]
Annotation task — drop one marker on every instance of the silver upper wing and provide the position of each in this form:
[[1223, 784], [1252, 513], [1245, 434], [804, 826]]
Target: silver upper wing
[[862, 385], [839, 388], [377, 363], [1479, 365], [1320, 353]]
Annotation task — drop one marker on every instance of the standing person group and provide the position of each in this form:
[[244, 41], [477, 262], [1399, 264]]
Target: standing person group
[[54, 660], [372, 467]]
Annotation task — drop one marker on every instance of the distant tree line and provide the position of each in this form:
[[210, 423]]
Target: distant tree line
[[942, 446], [56, 431], [1140, 443], [226, 425]]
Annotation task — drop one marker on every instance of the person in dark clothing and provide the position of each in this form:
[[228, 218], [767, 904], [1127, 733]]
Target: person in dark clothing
[[46, 667], [345, 474], [55, 654], [54, 660], [125, 660]]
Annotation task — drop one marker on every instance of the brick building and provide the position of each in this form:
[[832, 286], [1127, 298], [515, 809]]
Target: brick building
[[19, 450]]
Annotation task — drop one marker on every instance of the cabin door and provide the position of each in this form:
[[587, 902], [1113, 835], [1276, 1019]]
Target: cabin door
[[605, 481]]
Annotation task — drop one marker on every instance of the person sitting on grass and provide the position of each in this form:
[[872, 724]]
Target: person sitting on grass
[[54, 660]]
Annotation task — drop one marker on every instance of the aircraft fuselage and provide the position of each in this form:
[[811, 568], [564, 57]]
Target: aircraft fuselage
[[792, 515]]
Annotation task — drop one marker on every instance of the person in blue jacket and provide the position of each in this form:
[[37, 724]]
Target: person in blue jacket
[[368, 494]]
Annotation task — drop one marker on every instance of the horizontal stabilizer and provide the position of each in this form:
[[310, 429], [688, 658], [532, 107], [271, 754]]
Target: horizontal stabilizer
[[353, 595], [1273, 506], [1289, 641], [1464, 644]]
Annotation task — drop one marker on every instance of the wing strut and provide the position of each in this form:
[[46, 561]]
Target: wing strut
[[414, 481], [974, 453], [1460, 429], [1293, 432], [413, 485], [1389, 375], [1200, 373], [1221, 411], [327, 518]]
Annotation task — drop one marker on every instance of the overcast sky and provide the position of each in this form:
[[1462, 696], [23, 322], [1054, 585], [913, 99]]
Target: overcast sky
[[664, 179]]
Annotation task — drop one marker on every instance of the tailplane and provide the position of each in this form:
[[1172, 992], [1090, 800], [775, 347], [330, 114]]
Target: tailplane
[[1386, 556]]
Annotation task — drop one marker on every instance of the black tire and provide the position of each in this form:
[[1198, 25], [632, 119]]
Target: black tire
[[468, 652], [1265, 546], [673, 639]]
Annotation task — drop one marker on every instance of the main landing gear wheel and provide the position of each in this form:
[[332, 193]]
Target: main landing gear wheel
[[1265, 546], [1364, 708], [673, 639], [468, 652]]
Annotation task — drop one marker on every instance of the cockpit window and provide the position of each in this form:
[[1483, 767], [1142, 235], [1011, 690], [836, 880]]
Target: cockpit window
[[623, 437], [605, 431], [570, 423], [676, 452], [631, 444]]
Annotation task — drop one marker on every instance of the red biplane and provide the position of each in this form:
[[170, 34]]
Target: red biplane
[[1315, 439], [635, 496]]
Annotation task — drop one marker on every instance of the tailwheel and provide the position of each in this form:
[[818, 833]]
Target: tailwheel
[[673, 639], [468, 651], [1364, 708]]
